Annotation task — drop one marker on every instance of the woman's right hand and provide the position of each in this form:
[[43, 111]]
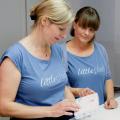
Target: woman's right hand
[[65, 107], [85, 91]]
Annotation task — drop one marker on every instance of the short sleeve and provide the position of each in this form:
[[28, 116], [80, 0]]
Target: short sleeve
[[14, 54], [64, 56], [107, 67]]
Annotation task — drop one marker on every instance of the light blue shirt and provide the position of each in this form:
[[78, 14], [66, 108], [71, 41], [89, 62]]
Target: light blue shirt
[[42, 81], [91, 71]]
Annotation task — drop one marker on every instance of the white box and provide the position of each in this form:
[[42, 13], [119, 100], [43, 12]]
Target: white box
[[87, 104]]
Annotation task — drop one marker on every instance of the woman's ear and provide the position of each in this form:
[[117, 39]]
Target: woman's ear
[[74, 25], [45, 21]]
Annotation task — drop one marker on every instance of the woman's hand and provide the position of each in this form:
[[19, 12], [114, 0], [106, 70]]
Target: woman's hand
[[85, 91], [110, 104], [65, 107]]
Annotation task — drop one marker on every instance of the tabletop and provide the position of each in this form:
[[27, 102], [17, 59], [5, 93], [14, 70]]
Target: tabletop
[[104, 114]]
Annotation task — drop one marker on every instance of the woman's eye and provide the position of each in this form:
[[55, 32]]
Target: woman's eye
[[92, 30], [61, 29]]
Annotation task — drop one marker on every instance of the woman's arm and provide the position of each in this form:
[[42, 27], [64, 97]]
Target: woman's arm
[[69, 94], [110, 102], [109, 89], [9, 82]]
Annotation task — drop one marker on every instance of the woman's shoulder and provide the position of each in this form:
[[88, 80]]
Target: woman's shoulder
[[102, 50], [58, 47], [99, 46], [14, 52], [14, 49]]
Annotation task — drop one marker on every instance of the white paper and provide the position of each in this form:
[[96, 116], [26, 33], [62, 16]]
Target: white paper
[[87, 104]]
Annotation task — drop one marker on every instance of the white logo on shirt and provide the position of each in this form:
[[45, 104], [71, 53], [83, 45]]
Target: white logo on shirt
[[89, 70], [52, 80]]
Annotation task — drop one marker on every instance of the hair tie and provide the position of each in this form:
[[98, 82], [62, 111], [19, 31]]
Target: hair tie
[[33, 17]]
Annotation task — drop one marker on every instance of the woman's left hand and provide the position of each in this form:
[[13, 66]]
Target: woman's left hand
[[111, 104]]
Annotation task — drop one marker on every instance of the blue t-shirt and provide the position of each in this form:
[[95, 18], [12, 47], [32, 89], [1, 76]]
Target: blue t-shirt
[[91, 71], [42, 81]]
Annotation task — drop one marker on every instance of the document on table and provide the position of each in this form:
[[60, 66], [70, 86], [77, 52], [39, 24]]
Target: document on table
[[88, 104], [101, 113]]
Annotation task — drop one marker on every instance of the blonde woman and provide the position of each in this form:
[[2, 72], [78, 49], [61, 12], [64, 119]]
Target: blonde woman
[[32, 74]]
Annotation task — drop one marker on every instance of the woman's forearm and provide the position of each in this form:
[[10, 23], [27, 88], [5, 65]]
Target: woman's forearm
[[68, 93], [109, 89], [23, 111]]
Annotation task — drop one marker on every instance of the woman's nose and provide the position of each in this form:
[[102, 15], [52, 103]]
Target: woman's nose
[[87, 31], [63, 35]]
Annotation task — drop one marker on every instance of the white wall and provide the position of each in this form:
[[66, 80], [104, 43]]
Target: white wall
[[12, 22], [117, 44], [29, 4]]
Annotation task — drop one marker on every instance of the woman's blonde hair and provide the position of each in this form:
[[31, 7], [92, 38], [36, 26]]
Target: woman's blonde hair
[[57, 11]]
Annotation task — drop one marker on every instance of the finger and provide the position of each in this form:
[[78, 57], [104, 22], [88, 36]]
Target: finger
[[71, 109], [113, 104], [90, 90], [106, 105], [83, 93], [69, 100], [70, 104], [68, 113]]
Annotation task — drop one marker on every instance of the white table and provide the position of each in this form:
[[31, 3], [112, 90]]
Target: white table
[[105, 114]]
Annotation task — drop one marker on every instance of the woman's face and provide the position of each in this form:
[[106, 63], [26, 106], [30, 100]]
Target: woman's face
[[84, 35], [54, 33], [57, 32]]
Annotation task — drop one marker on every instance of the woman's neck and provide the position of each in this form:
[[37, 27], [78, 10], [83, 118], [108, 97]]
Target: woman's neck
[[37, 45], [80, 49], [38, 39], [79, 45]]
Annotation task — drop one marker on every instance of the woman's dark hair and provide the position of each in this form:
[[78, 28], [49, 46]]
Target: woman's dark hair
[[87, 17]]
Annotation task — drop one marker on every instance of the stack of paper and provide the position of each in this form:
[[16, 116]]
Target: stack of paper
[[87, 104]]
